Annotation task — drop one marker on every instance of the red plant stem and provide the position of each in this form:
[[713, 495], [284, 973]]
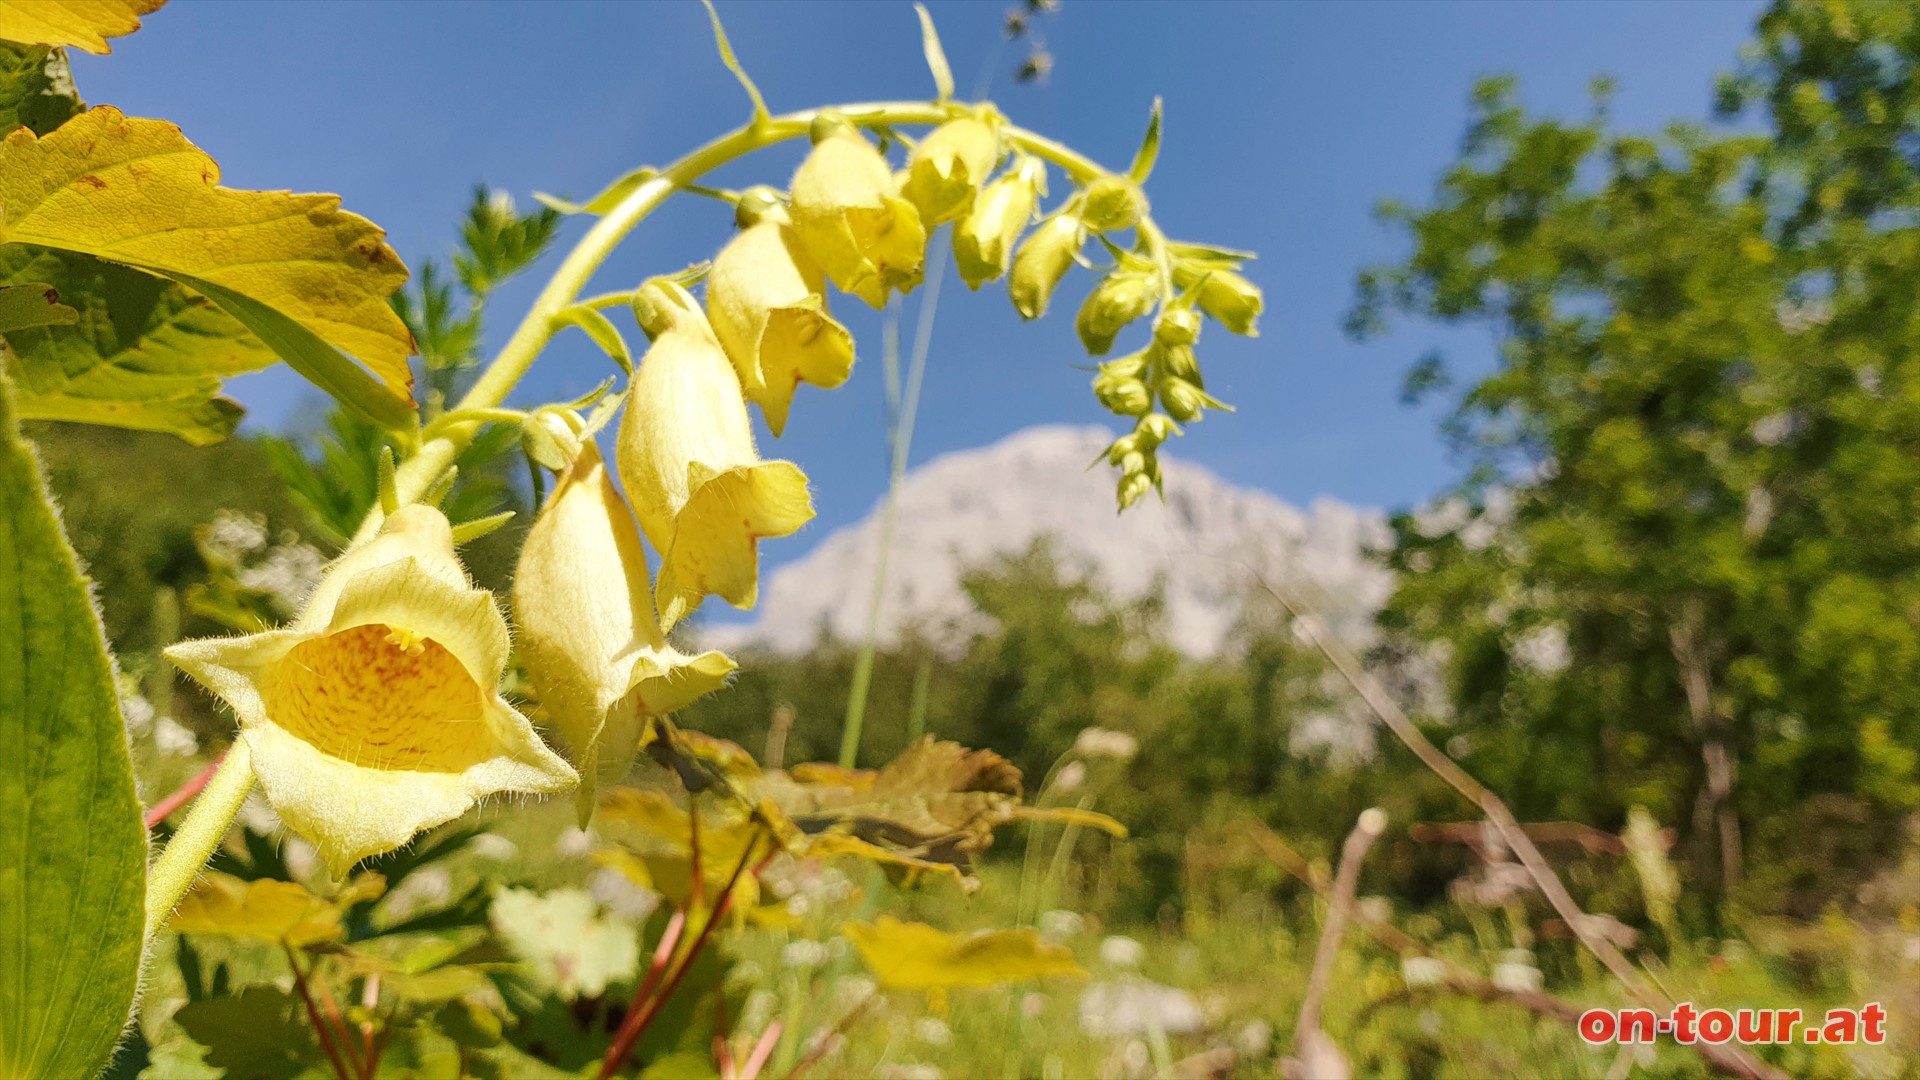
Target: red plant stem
[[639, 1016], [370, 1001], [164, 809], [824, 1041], [332, 1008], [313, 1015], [761, 1052]]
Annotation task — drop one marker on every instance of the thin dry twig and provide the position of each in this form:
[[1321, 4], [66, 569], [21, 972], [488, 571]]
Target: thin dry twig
[[1346, 881], [1728, 1058]]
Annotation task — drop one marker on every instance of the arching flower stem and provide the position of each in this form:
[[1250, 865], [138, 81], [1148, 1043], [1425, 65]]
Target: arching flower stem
[[213, 812]]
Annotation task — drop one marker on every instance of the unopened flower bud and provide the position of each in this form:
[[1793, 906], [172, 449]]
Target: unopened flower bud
[[946, 168], [1177, 326], [1155, 429], [1122, 395], [1180, 361], [758, 203], [1133, 462], [1183, 400], [1122, 446], [983, 241], [1232, 300], [851, 220], [1042, 261], [1131, 366], [1113, 203], [1118, 300], [1133, 487]]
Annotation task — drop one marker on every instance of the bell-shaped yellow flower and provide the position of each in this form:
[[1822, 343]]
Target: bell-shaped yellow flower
[[848, 213], [703, 495], [983, 242], [946, 168], [375, 714], [767, 301], [1042, 261], [588, 633]]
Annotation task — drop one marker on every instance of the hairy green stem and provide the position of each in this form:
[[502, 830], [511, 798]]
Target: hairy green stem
[[187, 853], [213, 812]]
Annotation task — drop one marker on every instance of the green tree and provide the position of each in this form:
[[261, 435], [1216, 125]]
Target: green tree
[[1684, 532]]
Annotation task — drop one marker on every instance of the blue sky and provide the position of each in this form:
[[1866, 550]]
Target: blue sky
[[1285, 124]]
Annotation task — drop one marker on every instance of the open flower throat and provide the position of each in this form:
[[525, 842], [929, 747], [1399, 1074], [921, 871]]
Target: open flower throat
[[381, 697]]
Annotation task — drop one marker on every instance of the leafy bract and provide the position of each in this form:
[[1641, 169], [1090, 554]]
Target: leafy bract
[[73, 852], [915, 956], [278, 911], [83, 24], [141, 352], [136, 192]]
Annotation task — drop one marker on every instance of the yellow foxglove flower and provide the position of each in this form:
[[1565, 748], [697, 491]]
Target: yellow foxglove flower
[[1042, 261], [1119, 299], [948, 166], [767, 300], [983, 242], [1231, 299], [588, 633], [703, 496], [848, 213], [376, 713]]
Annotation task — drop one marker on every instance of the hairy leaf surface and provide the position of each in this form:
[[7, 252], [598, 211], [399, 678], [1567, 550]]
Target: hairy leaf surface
[[73, 851]]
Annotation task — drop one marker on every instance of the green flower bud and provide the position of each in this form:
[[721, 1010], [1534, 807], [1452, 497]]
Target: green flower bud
[[1177, 326], [1132, 366], [947, 168], [1118, 300], [1154, 429], [1232, 300], [1122, 395], [1133, 488], [1122, 446], [1184, 400], [983, 242], [757, 204], [1042, 261], [1179, 360], [1113, 203]]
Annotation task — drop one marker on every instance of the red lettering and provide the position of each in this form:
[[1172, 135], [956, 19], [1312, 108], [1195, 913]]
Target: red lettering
[[1716, 1026], [1599, 1026], [1683, 1017], [1637, 1026], [1874, 1019]]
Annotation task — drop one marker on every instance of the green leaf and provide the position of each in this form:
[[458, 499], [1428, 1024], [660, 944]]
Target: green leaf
[[35, 303], [143, 352], [259, 1033], [303, 350], [36, 88], [73, 852], [1149, 148], [499, 241], [936, 56], [136, 192], [600, 329], [727, 57]]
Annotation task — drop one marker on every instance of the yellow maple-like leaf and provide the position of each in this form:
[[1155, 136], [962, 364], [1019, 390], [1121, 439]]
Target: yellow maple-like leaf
[[915, 956], [83, 24], [136, 192], [268, 909]]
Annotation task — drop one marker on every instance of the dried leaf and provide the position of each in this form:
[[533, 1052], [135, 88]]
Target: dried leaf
[[915, 956]]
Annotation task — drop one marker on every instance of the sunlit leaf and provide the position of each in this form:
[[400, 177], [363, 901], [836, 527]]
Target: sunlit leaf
[[136, 192], [267, 909], [73, 852], [141, 353], [915, 956], [82, 24]]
